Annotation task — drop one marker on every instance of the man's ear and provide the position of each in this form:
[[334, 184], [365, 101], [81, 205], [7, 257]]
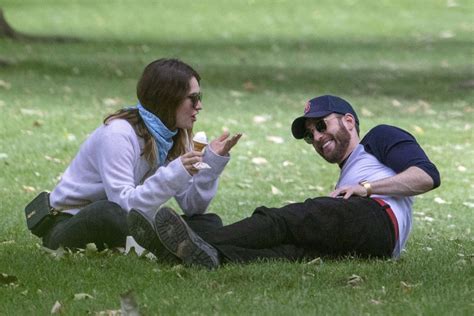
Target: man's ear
[[349, 121]]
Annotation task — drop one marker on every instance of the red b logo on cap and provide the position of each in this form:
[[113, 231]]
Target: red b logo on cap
[[307, 107]]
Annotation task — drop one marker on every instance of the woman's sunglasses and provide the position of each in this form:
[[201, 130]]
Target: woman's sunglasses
[[320, 126], [195, 98]]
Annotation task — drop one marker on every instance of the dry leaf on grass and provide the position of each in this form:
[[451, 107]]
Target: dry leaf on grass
[[407, 287], [56, 254], [82, 296], [287, 163], [439, 200], [28, 188], [55, 160], [31, 112], [275, 139], [418, 130], [354, 280], [259, 161], [112, 102], [110, 313], [462, 168], [396, 103], [57, 308], [366, 112], [258, 119], [249, 86], [128, 304], [4, 84], [317, 261], [276, 191]]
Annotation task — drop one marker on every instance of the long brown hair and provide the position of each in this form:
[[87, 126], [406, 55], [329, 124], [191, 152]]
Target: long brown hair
[[161, 89]]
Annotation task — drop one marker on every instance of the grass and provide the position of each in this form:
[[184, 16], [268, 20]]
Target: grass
[[403, 63]]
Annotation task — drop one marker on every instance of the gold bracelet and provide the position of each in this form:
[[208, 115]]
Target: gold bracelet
[[367, 186]]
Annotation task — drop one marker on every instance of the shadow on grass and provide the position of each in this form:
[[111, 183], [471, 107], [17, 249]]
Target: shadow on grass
[[390, 67]]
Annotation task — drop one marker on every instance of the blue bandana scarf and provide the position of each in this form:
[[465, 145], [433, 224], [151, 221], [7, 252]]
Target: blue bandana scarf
[[162, 135]]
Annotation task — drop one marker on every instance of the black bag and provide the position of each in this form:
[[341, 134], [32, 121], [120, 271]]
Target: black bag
[[40, 215]]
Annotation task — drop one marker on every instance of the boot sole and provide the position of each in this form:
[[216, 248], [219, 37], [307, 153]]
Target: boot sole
[[180, 240], [143, 231]]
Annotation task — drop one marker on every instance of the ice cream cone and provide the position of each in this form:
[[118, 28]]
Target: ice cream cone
[[200, 141], [199, 146]]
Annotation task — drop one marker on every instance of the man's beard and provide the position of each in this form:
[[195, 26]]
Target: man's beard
[[341, 139]]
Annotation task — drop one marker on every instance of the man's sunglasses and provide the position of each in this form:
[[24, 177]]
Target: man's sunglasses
[[195, 98], [320, 126]]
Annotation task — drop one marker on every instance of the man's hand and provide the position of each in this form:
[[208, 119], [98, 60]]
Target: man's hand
[[223, 144], [348, 191], [410, 182], [189, 159]]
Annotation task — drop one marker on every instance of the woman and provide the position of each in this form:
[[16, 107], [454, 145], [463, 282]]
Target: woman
[[139, 159]]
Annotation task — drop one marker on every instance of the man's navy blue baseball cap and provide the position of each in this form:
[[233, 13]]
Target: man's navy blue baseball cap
[[320, 107]]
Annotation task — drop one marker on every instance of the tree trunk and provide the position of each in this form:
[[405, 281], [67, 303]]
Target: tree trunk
[[5, 29]]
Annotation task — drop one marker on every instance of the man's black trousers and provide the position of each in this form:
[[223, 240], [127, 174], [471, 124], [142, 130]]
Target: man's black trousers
[[318, 227]]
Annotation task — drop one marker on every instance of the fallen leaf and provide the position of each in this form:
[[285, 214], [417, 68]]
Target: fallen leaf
[[82, 296], [354, 280], [128, 304], [428, 219], [3, 156], [451, 3], [317, 261], [71, 137], [4, 84], [235, 94], [287, 163], [31, 112], [258, 119], [55, 160], [447, 34], [275, 139], [462, 168], [249, 86], [418, 129], [259, 161], [406, 287], [244, 185], [276, 191], [375, 302], [439, 200], [28, 188], [110, 312], [57, 308], [56, 254], [366, 112], [396, 103], [112, 102]]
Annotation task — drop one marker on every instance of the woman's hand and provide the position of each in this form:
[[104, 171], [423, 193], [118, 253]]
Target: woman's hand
[[189, 159], [223, 144]]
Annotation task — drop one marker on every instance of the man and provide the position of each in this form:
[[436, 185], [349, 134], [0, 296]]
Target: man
[[369, 214]]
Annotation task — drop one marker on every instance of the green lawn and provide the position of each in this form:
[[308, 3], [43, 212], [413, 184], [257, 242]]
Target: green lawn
[[406, 63]]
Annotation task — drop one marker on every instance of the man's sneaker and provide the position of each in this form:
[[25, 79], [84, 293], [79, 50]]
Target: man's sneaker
[[141, 228], [182, 241]]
